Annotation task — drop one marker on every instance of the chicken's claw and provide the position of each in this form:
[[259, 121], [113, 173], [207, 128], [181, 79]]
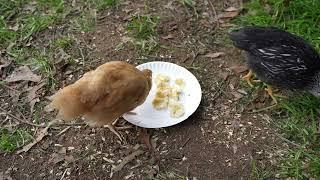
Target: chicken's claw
[[270, 92], [113, 129], [273, 95], [248, 78]]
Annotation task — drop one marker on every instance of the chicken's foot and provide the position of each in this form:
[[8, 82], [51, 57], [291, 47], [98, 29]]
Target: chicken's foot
[[120, 127], [248, 78], [112, 129], [273, 95]]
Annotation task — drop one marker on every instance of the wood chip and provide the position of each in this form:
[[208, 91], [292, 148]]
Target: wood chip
[[214, 55], [231, 9], [169, 36], [239, 68], [229, 15]]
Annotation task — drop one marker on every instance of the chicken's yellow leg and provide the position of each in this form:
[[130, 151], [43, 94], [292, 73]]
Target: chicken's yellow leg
[[270, 92], [112, 129], [273, 95], [248, 78]]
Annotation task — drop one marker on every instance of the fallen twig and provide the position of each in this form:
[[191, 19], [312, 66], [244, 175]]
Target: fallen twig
[[286, 140], [64, 173], [63, 131], [185, 143], [20, 120], [126, 160], [216, 19]]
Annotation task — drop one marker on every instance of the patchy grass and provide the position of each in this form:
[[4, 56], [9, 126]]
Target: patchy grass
[[10, 141], [169, 175], [299, 17], [298, 117], [103, 4], [143, 29], [21, 22], [258, 173], [300, 126], [189, 3], [63, 42], [85, 22]]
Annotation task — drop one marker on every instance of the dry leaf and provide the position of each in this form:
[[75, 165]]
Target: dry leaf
[[229, 15], [33, 96], [214, 55], [169, 5], [236, 95], [231, 9], [239, 69], [170, 36], [31, 7], [235, 149], [56, 158], [126, 160], [23, 73], [224, 75], [40, 135], [144, 137], [4, 63], [5, 177]]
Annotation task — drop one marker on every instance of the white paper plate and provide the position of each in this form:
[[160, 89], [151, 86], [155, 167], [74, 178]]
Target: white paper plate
[[148, 117]]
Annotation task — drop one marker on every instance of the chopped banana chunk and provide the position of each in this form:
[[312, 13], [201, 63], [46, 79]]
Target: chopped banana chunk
[[174, 94], [180, 82], [176, 109], [167, 96], [162, 79], [160, 103]]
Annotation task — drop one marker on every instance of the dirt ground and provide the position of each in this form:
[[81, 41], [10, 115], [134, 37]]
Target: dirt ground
[[221, 140]]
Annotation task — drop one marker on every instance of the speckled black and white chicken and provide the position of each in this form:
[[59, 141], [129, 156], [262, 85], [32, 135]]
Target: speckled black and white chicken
[[279, 58]]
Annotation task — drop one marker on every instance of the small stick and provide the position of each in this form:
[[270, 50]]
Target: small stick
[[64, 173], [185, 143], [20, 120], [64, 130], [215, 13]]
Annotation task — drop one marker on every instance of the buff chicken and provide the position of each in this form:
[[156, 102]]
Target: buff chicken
[[103, 95]]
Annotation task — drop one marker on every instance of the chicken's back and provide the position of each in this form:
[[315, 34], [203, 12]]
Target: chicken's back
[[103, 94], [69, 101], [277, 57], [271, 41]]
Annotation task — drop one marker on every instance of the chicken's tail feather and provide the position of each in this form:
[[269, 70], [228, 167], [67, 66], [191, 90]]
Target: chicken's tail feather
[[68, 105]]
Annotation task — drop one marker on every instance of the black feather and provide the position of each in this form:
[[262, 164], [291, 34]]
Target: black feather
[[278, 57]]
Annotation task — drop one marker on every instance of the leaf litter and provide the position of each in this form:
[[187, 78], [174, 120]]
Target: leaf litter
[[33, 96], [40, 135], [23, 73]]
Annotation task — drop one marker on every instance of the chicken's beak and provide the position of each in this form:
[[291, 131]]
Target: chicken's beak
[[148, 74]]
